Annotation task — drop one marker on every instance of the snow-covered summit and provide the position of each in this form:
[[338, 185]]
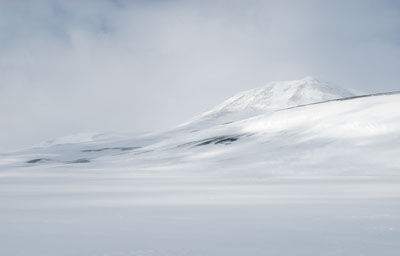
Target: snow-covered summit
[[282, 94], [274, 96]]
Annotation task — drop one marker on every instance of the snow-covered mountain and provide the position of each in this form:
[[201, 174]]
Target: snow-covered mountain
[[260, 101], [280, 119], [299, 162], [271, 97]]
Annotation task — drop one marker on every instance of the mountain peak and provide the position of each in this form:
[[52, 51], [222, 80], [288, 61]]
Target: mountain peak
[[274, 96]]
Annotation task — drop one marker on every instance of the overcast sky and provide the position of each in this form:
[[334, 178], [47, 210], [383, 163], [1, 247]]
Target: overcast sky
[[79, 66]]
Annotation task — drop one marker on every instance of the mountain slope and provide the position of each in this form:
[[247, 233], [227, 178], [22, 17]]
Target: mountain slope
[[327, 138], [330, 137], [271, 97]]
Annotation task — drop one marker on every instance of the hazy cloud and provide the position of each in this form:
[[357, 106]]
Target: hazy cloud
[[79, 66]]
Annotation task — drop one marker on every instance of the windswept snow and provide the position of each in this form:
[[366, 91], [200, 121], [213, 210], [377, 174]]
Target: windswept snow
[[267, 172]]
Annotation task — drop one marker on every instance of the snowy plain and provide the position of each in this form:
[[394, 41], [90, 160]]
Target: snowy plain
[[292, 168]]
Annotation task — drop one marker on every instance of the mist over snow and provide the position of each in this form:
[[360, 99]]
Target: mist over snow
[[68, 67], [193, 128]]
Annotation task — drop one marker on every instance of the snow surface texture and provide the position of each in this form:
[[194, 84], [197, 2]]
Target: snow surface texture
[[300, 173]]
